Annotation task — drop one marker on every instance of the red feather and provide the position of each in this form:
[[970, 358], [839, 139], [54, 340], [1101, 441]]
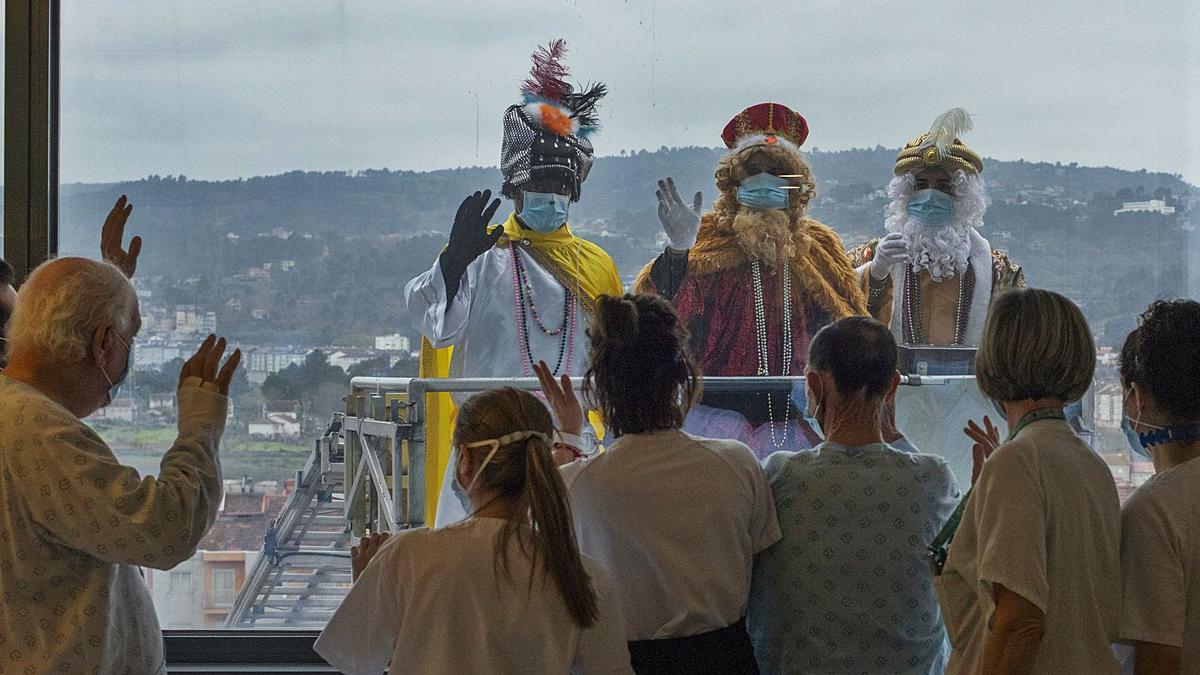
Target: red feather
[[547, 78]]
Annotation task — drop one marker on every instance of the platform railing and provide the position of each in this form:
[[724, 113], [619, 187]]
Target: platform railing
[[385, 437]]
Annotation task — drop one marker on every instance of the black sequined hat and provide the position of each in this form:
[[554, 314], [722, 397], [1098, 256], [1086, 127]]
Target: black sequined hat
[[546, 135]]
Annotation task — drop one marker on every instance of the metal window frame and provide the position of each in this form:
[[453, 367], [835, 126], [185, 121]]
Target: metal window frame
[[31, 130]]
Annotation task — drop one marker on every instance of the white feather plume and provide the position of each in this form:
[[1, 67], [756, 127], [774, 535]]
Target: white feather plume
[[947, 127]]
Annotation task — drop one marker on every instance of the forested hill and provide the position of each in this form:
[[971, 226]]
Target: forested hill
[[356, 226]]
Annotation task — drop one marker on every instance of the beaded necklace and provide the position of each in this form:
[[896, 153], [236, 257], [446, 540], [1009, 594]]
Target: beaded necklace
[[915, 315], [525, 305], [760, 329]]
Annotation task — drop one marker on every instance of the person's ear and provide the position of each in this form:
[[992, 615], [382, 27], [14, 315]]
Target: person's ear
[[891, 393], [99, 338], [464, 469]]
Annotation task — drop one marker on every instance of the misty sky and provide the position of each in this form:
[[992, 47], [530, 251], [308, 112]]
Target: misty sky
[[219, 89]]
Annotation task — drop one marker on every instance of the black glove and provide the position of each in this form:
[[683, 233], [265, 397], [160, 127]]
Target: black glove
[[469, 239]]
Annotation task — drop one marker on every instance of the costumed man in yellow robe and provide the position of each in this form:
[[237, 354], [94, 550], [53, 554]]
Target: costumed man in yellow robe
[[506, 297], [932, 277], [755, 278]]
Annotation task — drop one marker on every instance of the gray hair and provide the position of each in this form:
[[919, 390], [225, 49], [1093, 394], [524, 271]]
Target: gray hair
[[63, 303]]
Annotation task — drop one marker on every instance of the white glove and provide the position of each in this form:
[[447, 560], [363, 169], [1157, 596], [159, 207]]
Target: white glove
[[680, 221], [892, 250]]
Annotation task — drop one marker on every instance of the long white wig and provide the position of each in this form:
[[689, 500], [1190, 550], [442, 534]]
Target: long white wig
[[944, 249]]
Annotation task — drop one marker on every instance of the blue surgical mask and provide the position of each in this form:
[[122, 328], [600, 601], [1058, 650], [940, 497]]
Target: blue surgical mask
[[114, 386], [810, 410], [763, 191], [1131, 436], [931, 207], [544, 212]]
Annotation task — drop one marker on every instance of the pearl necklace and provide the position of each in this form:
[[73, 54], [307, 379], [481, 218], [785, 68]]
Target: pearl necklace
[[760, 329], [522, 296]]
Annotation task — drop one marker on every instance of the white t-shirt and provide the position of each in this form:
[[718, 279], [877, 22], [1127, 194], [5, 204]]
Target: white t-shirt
[[1044, 522], [676, 520], [1160, 563], [431, 601]]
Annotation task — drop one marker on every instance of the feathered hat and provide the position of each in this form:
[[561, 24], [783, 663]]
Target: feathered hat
[[546, 135], [940, 146]]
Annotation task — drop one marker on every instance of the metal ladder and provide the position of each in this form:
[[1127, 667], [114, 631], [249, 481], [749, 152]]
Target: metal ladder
[[313, 573]]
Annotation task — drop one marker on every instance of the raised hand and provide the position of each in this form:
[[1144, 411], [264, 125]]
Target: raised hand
[[112, 234], [892, 250], [986, 440], [469, 237], [361, 555], [680, 221], [204, 364], [561, 396]]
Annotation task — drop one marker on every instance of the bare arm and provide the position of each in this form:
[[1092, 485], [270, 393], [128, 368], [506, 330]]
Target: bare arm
[[1015, 635], [1151, 658]]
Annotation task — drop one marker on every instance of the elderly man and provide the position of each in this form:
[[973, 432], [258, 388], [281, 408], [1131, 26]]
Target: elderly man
[[75, 524], [848, 588]]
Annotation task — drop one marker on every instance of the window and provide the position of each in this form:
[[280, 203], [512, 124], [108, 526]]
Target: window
[[292, 166], [224, 586], [180, 582]]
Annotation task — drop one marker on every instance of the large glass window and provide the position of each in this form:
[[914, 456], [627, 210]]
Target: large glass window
[[293, 165]]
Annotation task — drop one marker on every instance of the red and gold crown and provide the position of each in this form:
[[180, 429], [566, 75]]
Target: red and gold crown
[[766, 124]]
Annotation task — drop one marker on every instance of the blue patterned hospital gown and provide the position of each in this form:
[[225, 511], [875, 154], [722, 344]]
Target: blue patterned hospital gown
[[848, 588]]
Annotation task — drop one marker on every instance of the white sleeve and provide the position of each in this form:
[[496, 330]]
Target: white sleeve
[[425, 299], [360, 637], [602, 647]]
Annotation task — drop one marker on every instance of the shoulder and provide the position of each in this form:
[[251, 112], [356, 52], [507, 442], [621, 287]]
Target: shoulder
[[823, 234], [27, 411], [1006, 273], [731, 451], [1163, 492], [863, 253]]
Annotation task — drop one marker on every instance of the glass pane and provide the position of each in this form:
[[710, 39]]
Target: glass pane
[[293, 165]]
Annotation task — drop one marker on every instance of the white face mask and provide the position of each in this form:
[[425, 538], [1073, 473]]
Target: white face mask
[[463, 492]]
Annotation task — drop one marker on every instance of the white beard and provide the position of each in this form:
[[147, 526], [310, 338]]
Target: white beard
[[941, 249]]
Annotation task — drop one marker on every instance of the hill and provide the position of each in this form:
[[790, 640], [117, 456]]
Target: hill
[[350, 240]]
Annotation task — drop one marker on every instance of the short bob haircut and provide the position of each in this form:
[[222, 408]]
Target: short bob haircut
[[1036, 345]]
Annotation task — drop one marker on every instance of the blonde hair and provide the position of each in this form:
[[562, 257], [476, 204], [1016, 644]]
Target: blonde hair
[[63, 303], [524, 473], [1035, 345]]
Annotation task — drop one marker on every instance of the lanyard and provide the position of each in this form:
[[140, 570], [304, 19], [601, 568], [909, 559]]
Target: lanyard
[[939, 547]]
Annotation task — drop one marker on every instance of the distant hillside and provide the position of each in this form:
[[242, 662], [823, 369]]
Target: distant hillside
[[352, 230]]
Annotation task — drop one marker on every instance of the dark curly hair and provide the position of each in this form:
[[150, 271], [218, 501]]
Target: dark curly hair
[[1162, 355], [641, 375]]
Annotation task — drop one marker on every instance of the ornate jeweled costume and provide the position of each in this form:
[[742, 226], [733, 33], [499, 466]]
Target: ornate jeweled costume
[[950, 272]]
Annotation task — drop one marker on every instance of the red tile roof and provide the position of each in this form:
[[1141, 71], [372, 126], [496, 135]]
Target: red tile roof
[[241, 524]]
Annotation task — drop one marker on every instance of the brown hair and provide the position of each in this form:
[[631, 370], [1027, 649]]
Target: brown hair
[[524, 473], [641, 376], [1035, 345]]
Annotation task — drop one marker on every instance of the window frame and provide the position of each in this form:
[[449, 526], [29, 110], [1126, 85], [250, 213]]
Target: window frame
[[31, 160]]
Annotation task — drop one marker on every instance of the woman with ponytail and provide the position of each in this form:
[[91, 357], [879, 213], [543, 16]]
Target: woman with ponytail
[[676, 519], [505, 591]]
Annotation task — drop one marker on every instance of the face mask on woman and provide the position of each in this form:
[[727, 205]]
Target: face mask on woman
[[544, 212], [1132, 436], [463, 493]]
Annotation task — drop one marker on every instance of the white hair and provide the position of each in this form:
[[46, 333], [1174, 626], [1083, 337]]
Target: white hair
[[59, 310], [941, 250]]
